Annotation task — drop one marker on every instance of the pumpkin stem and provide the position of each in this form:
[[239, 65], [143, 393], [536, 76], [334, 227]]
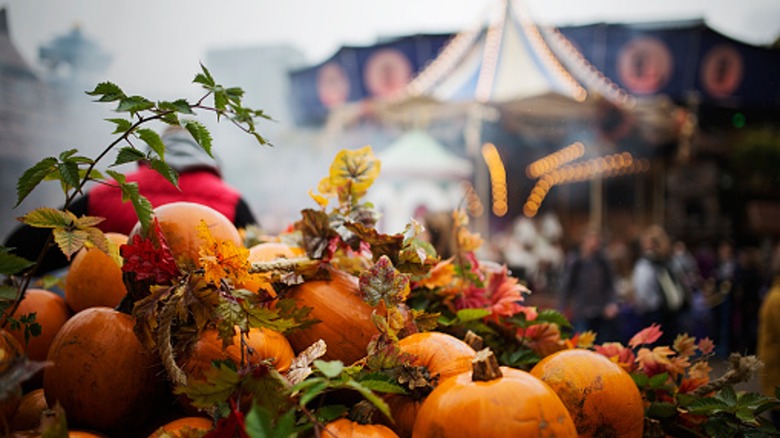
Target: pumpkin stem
[[485, 366], [362, 412], [474, 340]]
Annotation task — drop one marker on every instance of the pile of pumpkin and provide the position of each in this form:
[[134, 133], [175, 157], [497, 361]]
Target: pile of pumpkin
[[109, 384]]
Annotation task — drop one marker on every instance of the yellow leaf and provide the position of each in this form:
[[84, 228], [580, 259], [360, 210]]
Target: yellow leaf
[[319, 199], [356, 170], [222, 260]]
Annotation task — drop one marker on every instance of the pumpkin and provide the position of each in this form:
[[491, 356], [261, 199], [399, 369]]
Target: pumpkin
[[601, 397], [345, 428], [10, 350], [101, 374], [94, 278], [28, 414], [443, 355], [263, 344], [493, 401], [51, 312], [266, 252], [180, 426], [345, 318], [179, 223]]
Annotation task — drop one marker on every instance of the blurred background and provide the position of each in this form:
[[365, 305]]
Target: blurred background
[[541, 117]]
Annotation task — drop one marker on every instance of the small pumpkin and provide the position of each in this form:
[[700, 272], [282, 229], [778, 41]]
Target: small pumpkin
[[28, 414], [180, 427], [101, 374], [601, 397], [493, 401], [443, 355], [345, 428], [345, 318]]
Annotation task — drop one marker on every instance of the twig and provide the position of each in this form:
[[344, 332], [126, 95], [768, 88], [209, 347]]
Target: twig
[[742, 370]]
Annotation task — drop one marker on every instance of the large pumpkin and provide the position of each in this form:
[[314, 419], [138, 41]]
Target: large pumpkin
[[602, 398], [51, 312], [181, 426], [101, 374], [10, 350], [345, 428], [345, 318], [94, 278], [493, 401], [179, 223], [443, 355]]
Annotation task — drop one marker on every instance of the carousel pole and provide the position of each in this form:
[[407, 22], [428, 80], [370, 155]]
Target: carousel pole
[[472, 133]]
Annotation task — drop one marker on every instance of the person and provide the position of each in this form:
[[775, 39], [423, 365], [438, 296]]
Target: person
[[200, 181], [658, 295], [768, 349], [587, 291]]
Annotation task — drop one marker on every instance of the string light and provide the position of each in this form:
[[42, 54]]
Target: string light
[[497, 173], [554, 160], [599, 167]]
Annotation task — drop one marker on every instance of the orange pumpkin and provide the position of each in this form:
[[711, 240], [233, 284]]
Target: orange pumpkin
[[345, 428], [101, 374], [180, 426], [179, 223], [28, 415], [266, 252], [263, 344], [94, 278], [602, 398], [51, 312], [345, 318], [493, 401], [443, 355], [10, 350]]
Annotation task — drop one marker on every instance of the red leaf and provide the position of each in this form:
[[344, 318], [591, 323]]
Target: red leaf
[[646, 336], [231, 426], [150, 258]]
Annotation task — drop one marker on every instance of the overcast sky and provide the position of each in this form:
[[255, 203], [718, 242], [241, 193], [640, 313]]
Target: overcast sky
[[157, 44]]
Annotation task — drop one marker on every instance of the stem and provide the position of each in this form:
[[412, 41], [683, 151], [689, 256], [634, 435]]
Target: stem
[[474, 340], [742, 369], [485, 367]]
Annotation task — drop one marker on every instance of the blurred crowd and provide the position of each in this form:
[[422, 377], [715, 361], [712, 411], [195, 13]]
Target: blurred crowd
[[616, 286]]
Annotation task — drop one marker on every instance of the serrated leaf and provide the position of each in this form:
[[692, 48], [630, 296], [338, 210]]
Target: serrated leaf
[[205, 77], [217, 386], [466, 315], [179, 106], [70, 241], [382, 386], [134, 104], [96, 238], [142, 207], [11, 263], [371, 397], [32, 177], [122, 125], [707, 406], [152, 138], [107, 91], [47, 217], [553, 316], [165, 170], [329, 369], [201, 134], [128, 155], [728, 395]]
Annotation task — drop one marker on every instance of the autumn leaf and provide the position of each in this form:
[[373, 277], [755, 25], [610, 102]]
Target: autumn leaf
[[684, 345], [316, 232], [706, 346], [354, 172], [646, 336], [223, 260], [441, 275], [616, 352], [219, 382], [655, 361], [150, 258], [382, 282], [300, 368]]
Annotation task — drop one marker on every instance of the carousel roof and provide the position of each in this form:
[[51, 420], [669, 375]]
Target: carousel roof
[[417, 153]]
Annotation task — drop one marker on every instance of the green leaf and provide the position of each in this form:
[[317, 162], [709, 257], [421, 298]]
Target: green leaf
[[47, 217], [130, 192], [329, 413], [204, 78], [152, 138], [658, 380], [128, 155], [219, 383], [107, 91], [553, 316], [330, 369], [165, 170], [728, 395], [640, 379], [179, 106], [134, 104], [466, 315], [707, 406], [383, 386], [661, 410], [370, 396], [32, 177], [70, 241], [201, 135], [312, 391], [69, 173], [11, 263], [122, 125]]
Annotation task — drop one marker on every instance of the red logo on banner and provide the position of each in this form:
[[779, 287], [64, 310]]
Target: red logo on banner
[[332, 85], [387, 71], [721, 70], [645, 65]]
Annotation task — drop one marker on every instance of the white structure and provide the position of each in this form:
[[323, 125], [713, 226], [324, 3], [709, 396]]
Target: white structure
[[418, 175]]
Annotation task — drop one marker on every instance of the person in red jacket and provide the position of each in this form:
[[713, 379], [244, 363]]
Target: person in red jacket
[[200, 181]]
